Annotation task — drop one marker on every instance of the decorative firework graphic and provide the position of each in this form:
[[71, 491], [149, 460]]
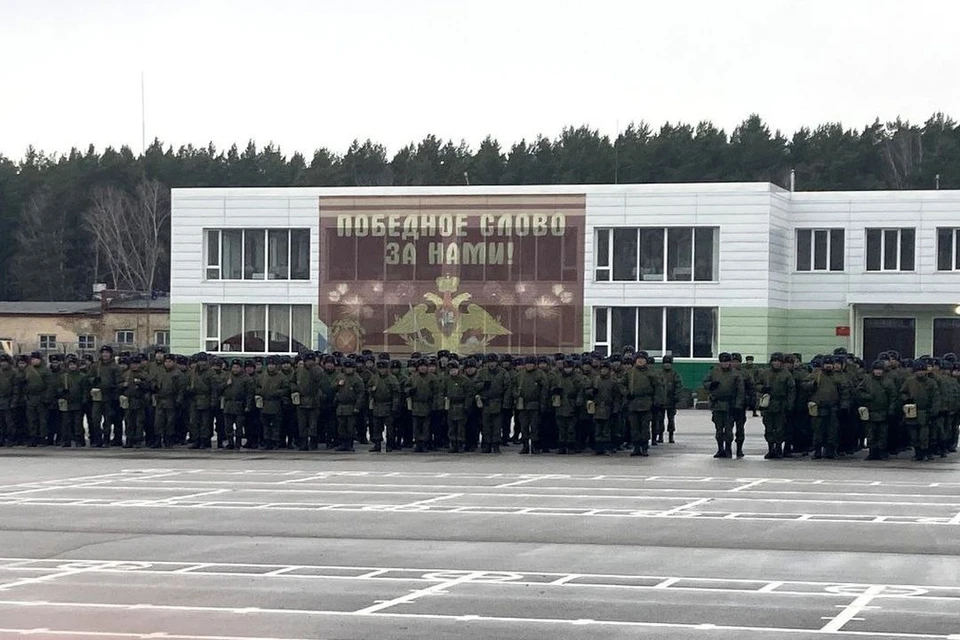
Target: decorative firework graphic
[[463, 273]]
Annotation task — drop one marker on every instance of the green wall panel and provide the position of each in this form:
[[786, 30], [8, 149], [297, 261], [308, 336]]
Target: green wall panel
[[744, 329], [186, 327]]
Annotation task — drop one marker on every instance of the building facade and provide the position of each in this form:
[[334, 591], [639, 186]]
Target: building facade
[[689, 269]]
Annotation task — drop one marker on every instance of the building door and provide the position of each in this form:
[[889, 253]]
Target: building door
[[889, 334]]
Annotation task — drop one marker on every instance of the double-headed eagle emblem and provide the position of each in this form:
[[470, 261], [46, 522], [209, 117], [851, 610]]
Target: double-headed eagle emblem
[[440, 323]]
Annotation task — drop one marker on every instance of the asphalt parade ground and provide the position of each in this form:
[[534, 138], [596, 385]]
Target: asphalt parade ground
[[221, 545]]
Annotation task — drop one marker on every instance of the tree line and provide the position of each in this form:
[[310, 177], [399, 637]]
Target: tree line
[[53, 209]]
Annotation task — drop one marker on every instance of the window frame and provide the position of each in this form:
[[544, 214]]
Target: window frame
[[812, 236], [607, 269], [46, 345], [166, 341], [133, 337], [90, 338], [218, 268], [883, 249], [954, 249], [212, 338], [933, 331], [606, 344]]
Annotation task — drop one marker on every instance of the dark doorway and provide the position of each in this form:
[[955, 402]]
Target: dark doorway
[[889, 334]]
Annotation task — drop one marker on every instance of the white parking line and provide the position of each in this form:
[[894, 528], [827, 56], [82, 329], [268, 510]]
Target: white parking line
[[410, 597], [851, 610], [683, 507]]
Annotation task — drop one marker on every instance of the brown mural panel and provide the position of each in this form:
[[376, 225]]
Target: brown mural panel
[[467, 273]]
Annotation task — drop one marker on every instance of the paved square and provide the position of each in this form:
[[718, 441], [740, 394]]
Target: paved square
[[118, 544]]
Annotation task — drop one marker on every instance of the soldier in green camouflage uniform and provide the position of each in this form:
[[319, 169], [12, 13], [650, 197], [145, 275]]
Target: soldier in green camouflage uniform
[[384, 392]]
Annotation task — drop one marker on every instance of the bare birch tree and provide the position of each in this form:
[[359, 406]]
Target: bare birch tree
[[132, 235]]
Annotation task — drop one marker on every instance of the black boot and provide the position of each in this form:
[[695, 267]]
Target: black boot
[[194, 445], [636, 451], [526, 447], [787, 451], [671, 438], [653, 441], [302, 445], [644, 451], [562, 451], [495, 448], [454, 447], [769, 454], [831, 453], [720, 452], [739, 450], [874, 454], [778, 451], [375, 448], [818, 453]]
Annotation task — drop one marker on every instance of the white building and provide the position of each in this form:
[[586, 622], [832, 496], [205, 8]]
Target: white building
[[693, 269]]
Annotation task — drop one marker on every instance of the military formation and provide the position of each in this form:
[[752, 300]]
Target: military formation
[[566, 404], [835, 406]]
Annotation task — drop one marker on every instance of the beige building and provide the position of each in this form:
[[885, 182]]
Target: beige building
[[72, 327]]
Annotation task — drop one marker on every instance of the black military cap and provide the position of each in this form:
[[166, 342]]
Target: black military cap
[[919, 365], [88, 357], [366, 352], [518, 361], [124, 360], [396, 364], [272, 360], [724, 357], [286, 360], [106, 349], [453, 364], [71, 359], [443, 353], [530, 360], [840, 351], [55, 357], [736, 357], [543, 360], [628, 359], [642, 354], [894, 355], [309, 356], [798, 357], [568, 362], [878, 364], [557, 357], [258, 360], [470, 363], [159, 349], [416, 355], [5, 358], [22, 358], [950, 357], [349, 363], [37, 355], [667, 359], [137, 357], [249, 364], [749, 358], [236, 362], [383, 364], [629, 349], [383, 355], [202, 357], [604, 364], [817, 362]]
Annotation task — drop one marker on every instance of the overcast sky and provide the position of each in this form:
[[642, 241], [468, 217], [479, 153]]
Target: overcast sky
[[306, 74]]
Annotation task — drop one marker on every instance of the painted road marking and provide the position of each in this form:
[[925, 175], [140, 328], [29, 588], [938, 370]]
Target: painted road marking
[[851, 610]]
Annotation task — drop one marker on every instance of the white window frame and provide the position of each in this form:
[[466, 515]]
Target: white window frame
[[213, 340], [86, 342], [954, 249], [47, 341], [883, 249], [133, 336], [813, 249], [208, 268], [166, 338], [607, 342], [608, 268]]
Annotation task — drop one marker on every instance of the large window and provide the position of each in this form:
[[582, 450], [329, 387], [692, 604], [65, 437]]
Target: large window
[[820, 249], [47, 341], [257, 254], [125, 336], [86, 342], [656, 254], [685, 332], [948, 249], [891, 249], [161, 338], [257, 328], [946, 336]]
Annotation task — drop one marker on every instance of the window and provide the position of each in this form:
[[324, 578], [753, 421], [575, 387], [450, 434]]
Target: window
[[257, 254], [656, 254], [257, 328], [820, 249], [946, 336], [891, 249], [948, 249], [684, 332], [125, 336], [86, 343], [161, 338], [602, 255], [48, 341]]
